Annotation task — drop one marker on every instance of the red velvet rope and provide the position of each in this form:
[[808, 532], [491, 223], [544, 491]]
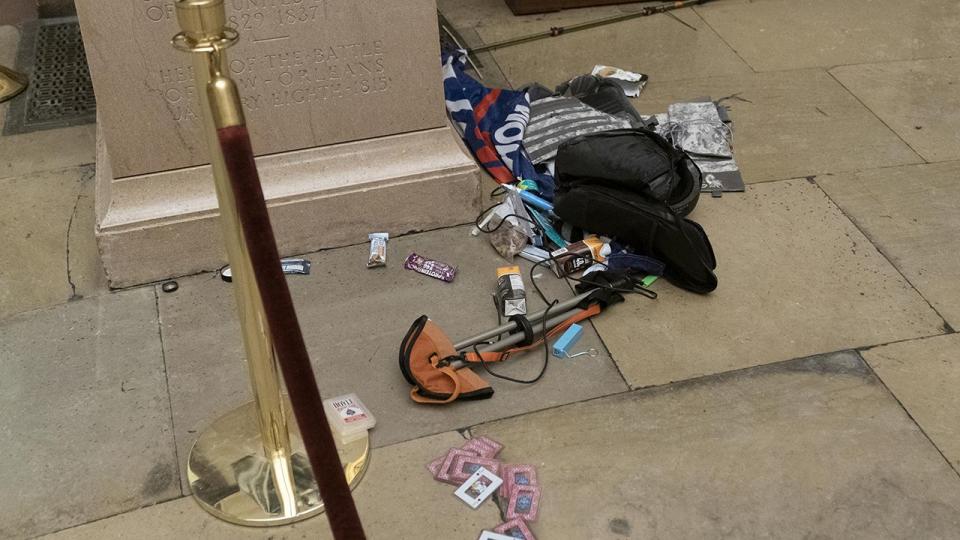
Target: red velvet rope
[[288, 339]]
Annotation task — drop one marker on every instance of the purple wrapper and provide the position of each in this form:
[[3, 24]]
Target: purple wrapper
[[434, 269]]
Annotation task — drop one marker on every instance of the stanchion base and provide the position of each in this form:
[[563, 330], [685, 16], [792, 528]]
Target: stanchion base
[[11, 84], [230, 477]]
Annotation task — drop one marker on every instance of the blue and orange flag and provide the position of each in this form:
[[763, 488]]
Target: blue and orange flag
[[492, 121]]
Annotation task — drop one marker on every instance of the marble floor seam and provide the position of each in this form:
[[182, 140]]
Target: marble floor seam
[[722, 38], [468, 430], [691, 380], [718, 375], [612, 359], [948, 331], [877, 116], [828, 67], [166, 381], [947, 328], [307, 254], [69, 300], [857, 349], [54, 170], [813, 177], [907, 411]]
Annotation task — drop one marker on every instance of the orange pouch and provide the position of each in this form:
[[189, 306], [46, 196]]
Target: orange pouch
[[425, 355]]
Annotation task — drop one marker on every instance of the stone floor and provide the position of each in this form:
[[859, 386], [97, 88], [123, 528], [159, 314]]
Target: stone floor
[[813, 395]]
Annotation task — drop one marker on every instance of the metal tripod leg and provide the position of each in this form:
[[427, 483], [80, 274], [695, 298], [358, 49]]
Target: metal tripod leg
[[513, 339], [564, 306]]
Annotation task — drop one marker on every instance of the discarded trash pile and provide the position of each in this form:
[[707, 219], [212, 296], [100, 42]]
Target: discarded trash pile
[[588, 186], [474, 467], [580, 160]]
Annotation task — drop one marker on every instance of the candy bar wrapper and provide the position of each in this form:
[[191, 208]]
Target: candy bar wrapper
[[524, 503], [465, 466], [443, 474], [515, 476], [434, 269], [515, 528], [482, 448], [378, 250]]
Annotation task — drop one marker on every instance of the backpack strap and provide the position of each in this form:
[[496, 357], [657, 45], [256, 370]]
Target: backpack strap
[[449, 372]]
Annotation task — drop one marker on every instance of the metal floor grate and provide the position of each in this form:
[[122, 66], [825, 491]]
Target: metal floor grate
[[60, 92]]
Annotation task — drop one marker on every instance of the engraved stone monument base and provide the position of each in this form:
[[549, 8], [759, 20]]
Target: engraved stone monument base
[[159, 225], [344, 99]]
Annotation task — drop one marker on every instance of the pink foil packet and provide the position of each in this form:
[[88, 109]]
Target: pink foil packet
[[524, 503], [517, 475], [464, 466], [516, 528], [443, 474]]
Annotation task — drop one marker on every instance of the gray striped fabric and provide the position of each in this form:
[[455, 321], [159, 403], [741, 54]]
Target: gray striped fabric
[[555, 120]]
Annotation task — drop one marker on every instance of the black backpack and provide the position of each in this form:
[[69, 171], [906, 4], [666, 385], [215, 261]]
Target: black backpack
[[635, 186], [636, 160]]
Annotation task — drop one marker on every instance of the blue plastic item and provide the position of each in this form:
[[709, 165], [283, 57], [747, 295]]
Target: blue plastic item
[[531, 199], [561, 347], [548, 230]]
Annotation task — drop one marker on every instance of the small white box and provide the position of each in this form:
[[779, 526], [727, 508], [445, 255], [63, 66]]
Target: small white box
[[349, 418]]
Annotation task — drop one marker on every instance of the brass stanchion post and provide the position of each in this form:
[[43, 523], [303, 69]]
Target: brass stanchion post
[[248, 467]]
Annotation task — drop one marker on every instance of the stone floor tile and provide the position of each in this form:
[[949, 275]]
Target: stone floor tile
[[85, 428], [49, 255], [396, 499], [773, 35], [924, 375], [796, 278], [663, 47], [464, 14], [47, 150], [354, 320], [791, 124], [475, 13], [918, 99], [810, 448], [911, 215]]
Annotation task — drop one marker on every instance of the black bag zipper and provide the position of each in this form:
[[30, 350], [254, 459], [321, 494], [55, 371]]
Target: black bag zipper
[[604, 191]]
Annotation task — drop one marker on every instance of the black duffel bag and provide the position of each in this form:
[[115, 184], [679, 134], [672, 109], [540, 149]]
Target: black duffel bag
[[636, 160], [618, 185]]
